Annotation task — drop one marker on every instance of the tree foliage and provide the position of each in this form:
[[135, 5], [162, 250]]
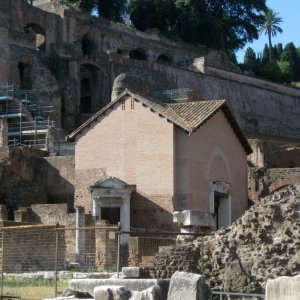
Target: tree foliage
[[111, 9], [250, 58], [108, 9], [290, 55], [221, 24], [271, 27], [284, 68]]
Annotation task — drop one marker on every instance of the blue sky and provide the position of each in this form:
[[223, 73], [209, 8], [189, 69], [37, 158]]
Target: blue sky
[[289, 11]]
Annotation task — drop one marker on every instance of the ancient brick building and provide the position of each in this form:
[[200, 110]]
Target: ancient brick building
[[168, 156]]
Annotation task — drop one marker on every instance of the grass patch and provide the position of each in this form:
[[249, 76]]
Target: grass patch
[[31, 289]]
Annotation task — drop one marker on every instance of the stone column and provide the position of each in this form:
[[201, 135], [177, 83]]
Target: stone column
[[80, 234]]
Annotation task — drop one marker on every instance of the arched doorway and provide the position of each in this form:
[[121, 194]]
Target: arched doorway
[[93, 90]]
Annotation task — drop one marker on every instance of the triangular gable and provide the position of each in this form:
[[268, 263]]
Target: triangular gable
[[183, 115], [110, 183]]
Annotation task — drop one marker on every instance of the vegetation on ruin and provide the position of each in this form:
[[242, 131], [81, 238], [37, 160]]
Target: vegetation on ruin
[[112, 10], [220, 24]]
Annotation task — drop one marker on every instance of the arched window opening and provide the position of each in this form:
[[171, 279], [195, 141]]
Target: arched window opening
[[162, 58], [138, 54], [39, 34], [92, 90], [88, 46]]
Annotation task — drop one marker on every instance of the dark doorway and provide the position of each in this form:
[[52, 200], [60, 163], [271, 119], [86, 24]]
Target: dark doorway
[[111, 214], [221, 210], [25, 76]]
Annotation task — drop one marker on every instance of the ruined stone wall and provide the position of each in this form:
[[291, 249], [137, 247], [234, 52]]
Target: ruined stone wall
[[53, 214], [31, 249], [262, 244], [263, 182], [106, 248], [141, 247], [60, 183], [29, 178], [257, 106]]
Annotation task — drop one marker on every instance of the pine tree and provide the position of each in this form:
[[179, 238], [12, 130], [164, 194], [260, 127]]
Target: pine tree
[[279, 50], [249, 58], [290, 55], [265, 55]]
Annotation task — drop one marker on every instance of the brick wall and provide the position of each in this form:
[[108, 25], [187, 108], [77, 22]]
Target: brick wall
[[135, 145], [32, 250], [262, 182], [145, 246]]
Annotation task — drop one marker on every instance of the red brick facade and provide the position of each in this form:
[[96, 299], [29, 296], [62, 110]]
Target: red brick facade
[[171, 169]]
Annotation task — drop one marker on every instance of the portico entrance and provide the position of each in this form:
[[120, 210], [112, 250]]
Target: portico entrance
[[111, 202]]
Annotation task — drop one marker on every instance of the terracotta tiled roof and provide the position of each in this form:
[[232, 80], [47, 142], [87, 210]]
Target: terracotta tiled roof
[[188, 115], [193, 114]]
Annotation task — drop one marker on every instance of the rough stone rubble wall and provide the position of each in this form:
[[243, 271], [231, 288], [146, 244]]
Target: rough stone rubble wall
[[263, 182], [263, 244]]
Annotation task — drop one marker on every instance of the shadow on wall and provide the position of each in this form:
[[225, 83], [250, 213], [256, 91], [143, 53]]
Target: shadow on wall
[[147, 214], [31, 179]]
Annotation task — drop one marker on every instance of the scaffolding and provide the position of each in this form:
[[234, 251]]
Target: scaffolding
[[28, 119]]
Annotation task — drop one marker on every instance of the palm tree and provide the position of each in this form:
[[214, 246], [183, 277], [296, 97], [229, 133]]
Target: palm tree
[[271, 27]]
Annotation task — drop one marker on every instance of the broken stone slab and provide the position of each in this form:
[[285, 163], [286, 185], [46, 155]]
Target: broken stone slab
[[49, 275], [153, 293], [132, 272], [68, 298], [112, 292], [65, 275], [193, 218], [80, 275], [99, 275], [283, 288], [189, 286], [88, 285]]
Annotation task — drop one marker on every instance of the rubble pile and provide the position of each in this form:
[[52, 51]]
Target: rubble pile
[[179, 258], [263, 244]]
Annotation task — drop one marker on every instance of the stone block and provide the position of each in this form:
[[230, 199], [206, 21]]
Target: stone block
[[111, 292], [283, 288], [132, 272], [80, 275], [189, 286], [88, 285], [49, 275], [65, 275], [153, 293], [193, 218]]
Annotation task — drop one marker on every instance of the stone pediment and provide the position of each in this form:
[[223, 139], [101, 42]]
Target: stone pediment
[[110, 183]]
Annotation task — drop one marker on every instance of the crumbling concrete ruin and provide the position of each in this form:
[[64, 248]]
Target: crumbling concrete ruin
[[263, 244]]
